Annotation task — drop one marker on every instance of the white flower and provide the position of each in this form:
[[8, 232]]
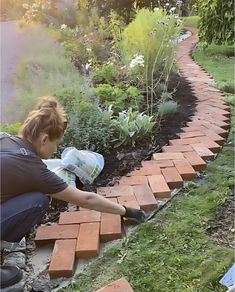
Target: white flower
[[138, 60], [167, 4], [25, 6], [88, 49], [63, 26], [156, 9], [87, 66], [172, 9]]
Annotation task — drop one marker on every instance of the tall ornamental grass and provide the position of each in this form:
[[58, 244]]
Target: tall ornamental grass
[[148, 48]]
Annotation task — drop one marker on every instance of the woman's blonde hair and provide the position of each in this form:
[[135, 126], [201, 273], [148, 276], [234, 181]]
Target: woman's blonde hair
[[48, 118]]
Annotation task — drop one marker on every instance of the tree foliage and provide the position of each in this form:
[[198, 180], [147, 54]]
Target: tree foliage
[[216, 23]]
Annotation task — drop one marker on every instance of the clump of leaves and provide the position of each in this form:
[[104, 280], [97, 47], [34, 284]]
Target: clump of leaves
[[167, 108], [131, 127]]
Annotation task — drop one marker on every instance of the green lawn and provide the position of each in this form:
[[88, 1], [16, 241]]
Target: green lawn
[[174, 252]]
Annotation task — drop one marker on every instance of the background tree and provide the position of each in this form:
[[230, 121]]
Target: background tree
[[216, 24]]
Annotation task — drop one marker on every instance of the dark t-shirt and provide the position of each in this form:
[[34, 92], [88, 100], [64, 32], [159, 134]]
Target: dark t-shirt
[[25, 173]]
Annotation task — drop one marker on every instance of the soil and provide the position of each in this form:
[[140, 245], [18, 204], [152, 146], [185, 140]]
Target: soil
[[120, 161]]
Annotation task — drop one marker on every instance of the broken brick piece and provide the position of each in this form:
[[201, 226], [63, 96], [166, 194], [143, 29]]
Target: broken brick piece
[[62, 259], [88, 240]]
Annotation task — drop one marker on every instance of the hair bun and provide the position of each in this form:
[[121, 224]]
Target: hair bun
[[47, 102]]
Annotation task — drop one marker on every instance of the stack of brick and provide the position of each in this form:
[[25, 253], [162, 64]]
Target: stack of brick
[[78, 234]]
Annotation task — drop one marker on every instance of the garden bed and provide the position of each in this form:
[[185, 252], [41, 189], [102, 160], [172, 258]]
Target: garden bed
[[120, 161]]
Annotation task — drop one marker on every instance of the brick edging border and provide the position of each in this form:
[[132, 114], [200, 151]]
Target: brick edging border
[[151, 186]]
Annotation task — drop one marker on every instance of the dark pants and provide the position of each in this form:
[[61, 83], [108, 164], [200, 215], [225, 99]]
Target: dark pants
[[20, 214]]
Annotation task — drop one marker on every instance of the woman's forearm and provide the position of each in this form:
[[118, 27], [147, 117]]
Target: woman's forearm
[[89, 200]]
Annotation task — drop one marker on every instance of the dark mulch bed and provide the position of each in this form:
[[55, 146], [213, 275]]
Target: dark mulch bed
[[120, 161]]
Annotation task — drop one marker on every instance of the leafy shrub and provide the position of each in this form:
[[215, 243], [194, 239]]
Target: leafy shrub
[[119, 98], [151, 34], [88, 127], [12, 129], [216, 21], [167, 108], [104, 74], [131, 127]]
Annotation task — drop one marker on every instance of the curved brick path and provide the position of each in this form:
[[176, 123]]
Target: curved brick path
[[79, 233]]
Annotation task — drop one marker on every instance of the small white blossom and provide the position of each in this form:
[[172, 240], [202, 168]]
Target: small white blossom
[[88, 49], [156, 9], [25, 6], [167, 4], [63, 26], [138, 60], [172, 9]]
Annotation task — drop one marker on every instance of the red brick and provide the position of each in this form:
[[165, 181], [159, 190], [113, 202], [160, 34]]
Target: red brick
[[167, 156], [188, 141], [129, 201], [191, 134], [48, 234], [145, 197], [110, 226], [62, 259], [185, 169], [195, 160], [120, 285], [133, 180], [210, 133], [220, 131], [146, 170], [210, 144], [172, 177], [213, 109], [216, 122], [160, 163], [177, 148], [203, 151], [88, 241], [213, 136], [159, 186], [78, 217], [116, 191]]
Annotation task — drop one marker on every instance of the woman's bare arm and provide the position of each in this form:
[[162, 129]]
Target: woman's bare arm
[[89, 200]]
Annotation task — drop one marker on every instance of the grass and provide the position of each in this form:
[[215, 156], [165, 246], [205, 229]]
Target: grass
[[191, 21], [174, 252], [223, 57], [44, 69]]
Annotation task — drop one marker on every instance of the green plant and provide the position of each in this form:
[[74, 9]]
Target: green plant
[[104, 74], [12, 129], [148, 49], [131, 127], [88, 127], [167, 108], [216, 23]]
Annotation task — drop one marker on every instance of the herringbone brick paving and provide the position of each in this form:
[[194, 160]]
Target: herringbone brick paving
[[79, 233]]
